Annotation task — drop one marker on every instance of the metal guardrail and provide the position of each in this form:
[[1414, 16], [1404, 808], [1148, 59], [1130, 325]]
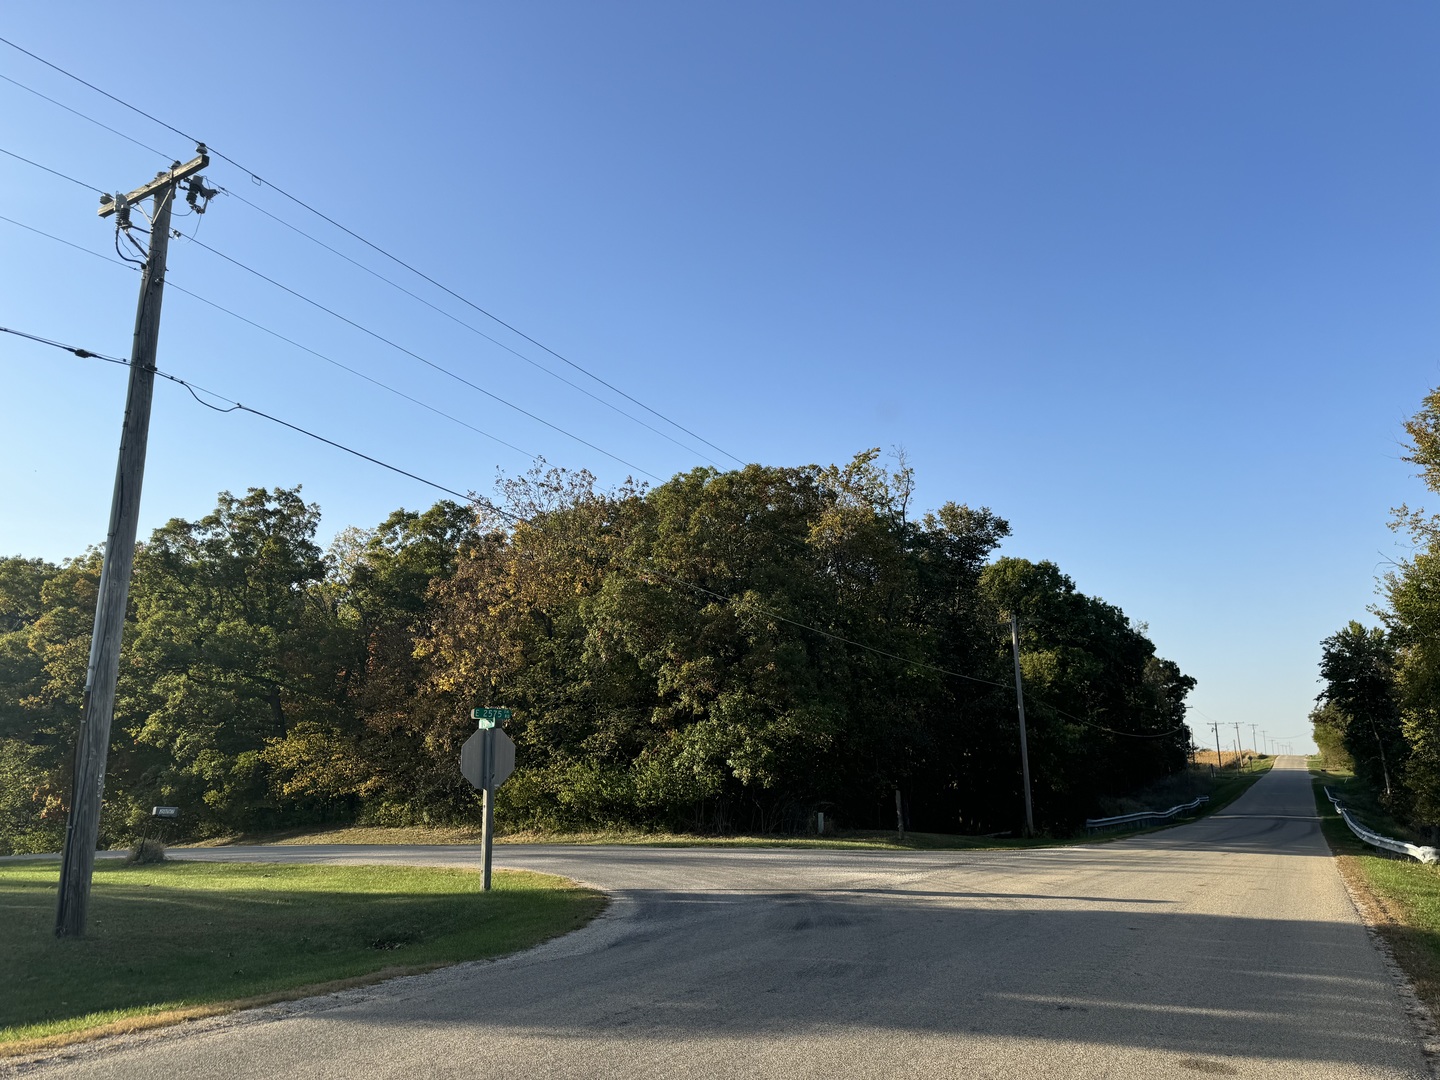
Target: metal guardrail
[[1399, 847], [1143, 818]]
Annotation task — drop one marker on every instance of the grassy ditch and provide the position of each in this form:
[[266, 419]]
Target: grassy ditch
[[1401, 897], [179, 940], [1223, 786]]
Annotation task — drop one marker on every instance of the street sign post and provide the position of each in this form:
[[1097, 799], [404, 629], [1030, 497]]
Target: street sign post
[[486, 760], [488, 718]]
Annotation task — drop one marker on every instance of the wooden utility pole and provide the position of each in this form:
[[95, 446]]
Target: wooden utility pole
[[1024, 742], [98, 706], [1219, 757]]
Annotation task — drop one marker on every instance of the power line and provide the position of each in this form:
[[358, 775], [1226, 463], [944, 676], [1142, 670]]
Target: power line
[[279, 336], [473, 329], [83, 116], [424, 360], [83, 353], [355, 262], [375, 247], [353, 371], [67, 243], [236, 406], [52, 172], [102, 93], [378, 337], [1102, 727], [395, 345]]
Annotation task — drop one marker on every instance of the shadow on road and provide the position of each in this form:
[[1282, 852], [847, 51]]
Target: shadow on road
[[695, 965]]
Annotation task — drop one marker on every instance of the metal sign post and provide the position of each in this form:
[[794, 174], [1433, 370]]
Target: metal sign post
[[486, 760]]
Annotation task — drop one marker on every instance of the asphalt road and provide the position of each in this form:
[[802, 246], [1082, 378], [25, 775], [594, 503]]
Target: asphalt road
[[1226, 947]]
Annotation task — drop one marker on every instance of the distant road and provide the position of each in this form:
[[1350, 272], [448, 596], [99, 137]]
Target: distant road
[[1226, 947]]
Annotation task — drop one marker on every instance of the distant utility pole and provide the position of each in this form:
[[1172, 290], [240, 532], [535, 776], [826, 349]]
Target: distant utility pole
[[1219, 756], [1024, 743], [1239, 745], [1255, 738], [98, 706]]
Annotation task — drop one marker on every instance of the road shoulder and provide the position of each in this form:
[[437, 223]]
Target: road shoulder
[[1410, 951]]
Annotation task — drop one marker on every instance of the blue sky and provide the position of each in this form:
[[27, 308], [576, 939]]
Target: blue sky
[[1156, 282]]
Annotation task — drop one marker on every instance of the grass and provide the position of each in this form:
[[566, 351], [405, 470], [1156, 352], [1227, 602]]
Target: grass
[[1402, 896], [876, 840], [178, 940], [1223, 789]]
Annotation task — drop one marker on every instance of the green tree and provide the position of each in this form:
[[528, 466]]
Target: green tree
[[232, 648], [1328, 723], [374, 751], [49, 612], [1358, 666], [1104, 710], [1412, 622]]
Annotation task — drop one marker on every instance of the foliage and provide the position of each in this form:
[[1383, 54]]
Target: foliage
[[1329, 722], [1357, 665], [729, 650], [145, 851], [1381, 701]]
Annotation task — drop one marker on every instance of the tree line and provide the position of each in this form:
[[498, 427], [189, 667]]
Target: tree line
[[1380, 707], [730, 650]]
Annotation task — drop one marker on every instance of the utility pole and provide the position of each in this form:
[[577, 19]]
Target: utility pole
[[1239, 746], [1219, 756], [1255, 738], [98, 706], [1024, 743]]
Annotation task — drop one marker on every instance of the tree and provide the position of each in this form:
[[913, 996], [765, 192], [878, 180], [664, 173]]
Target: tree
[[729, 650], [233, 647], [1105, 710], [1412, 623], [372, 750], [42, 682], [1328, 722], [1357, 664]]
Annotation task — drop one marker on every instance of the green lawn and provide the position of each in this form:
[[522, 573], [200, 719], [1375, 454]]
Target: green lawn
[[1405, 894], [179, 938]]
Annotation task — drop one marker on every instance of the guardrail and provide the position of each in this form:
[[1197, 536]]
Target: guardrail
[[1374, 839], [1143, 818]]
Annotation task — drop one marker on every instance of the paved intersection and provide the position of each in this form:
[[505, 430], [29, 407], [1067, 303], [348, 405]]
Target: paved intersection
[[1226, 947]]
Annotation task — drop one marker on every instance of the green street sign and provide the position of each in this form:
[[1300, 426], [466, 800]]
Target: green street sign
[[488, 717]]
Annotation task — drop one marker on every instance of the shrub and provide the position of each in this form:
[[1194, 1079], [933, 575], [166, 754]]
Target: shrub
[[146, 851]]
